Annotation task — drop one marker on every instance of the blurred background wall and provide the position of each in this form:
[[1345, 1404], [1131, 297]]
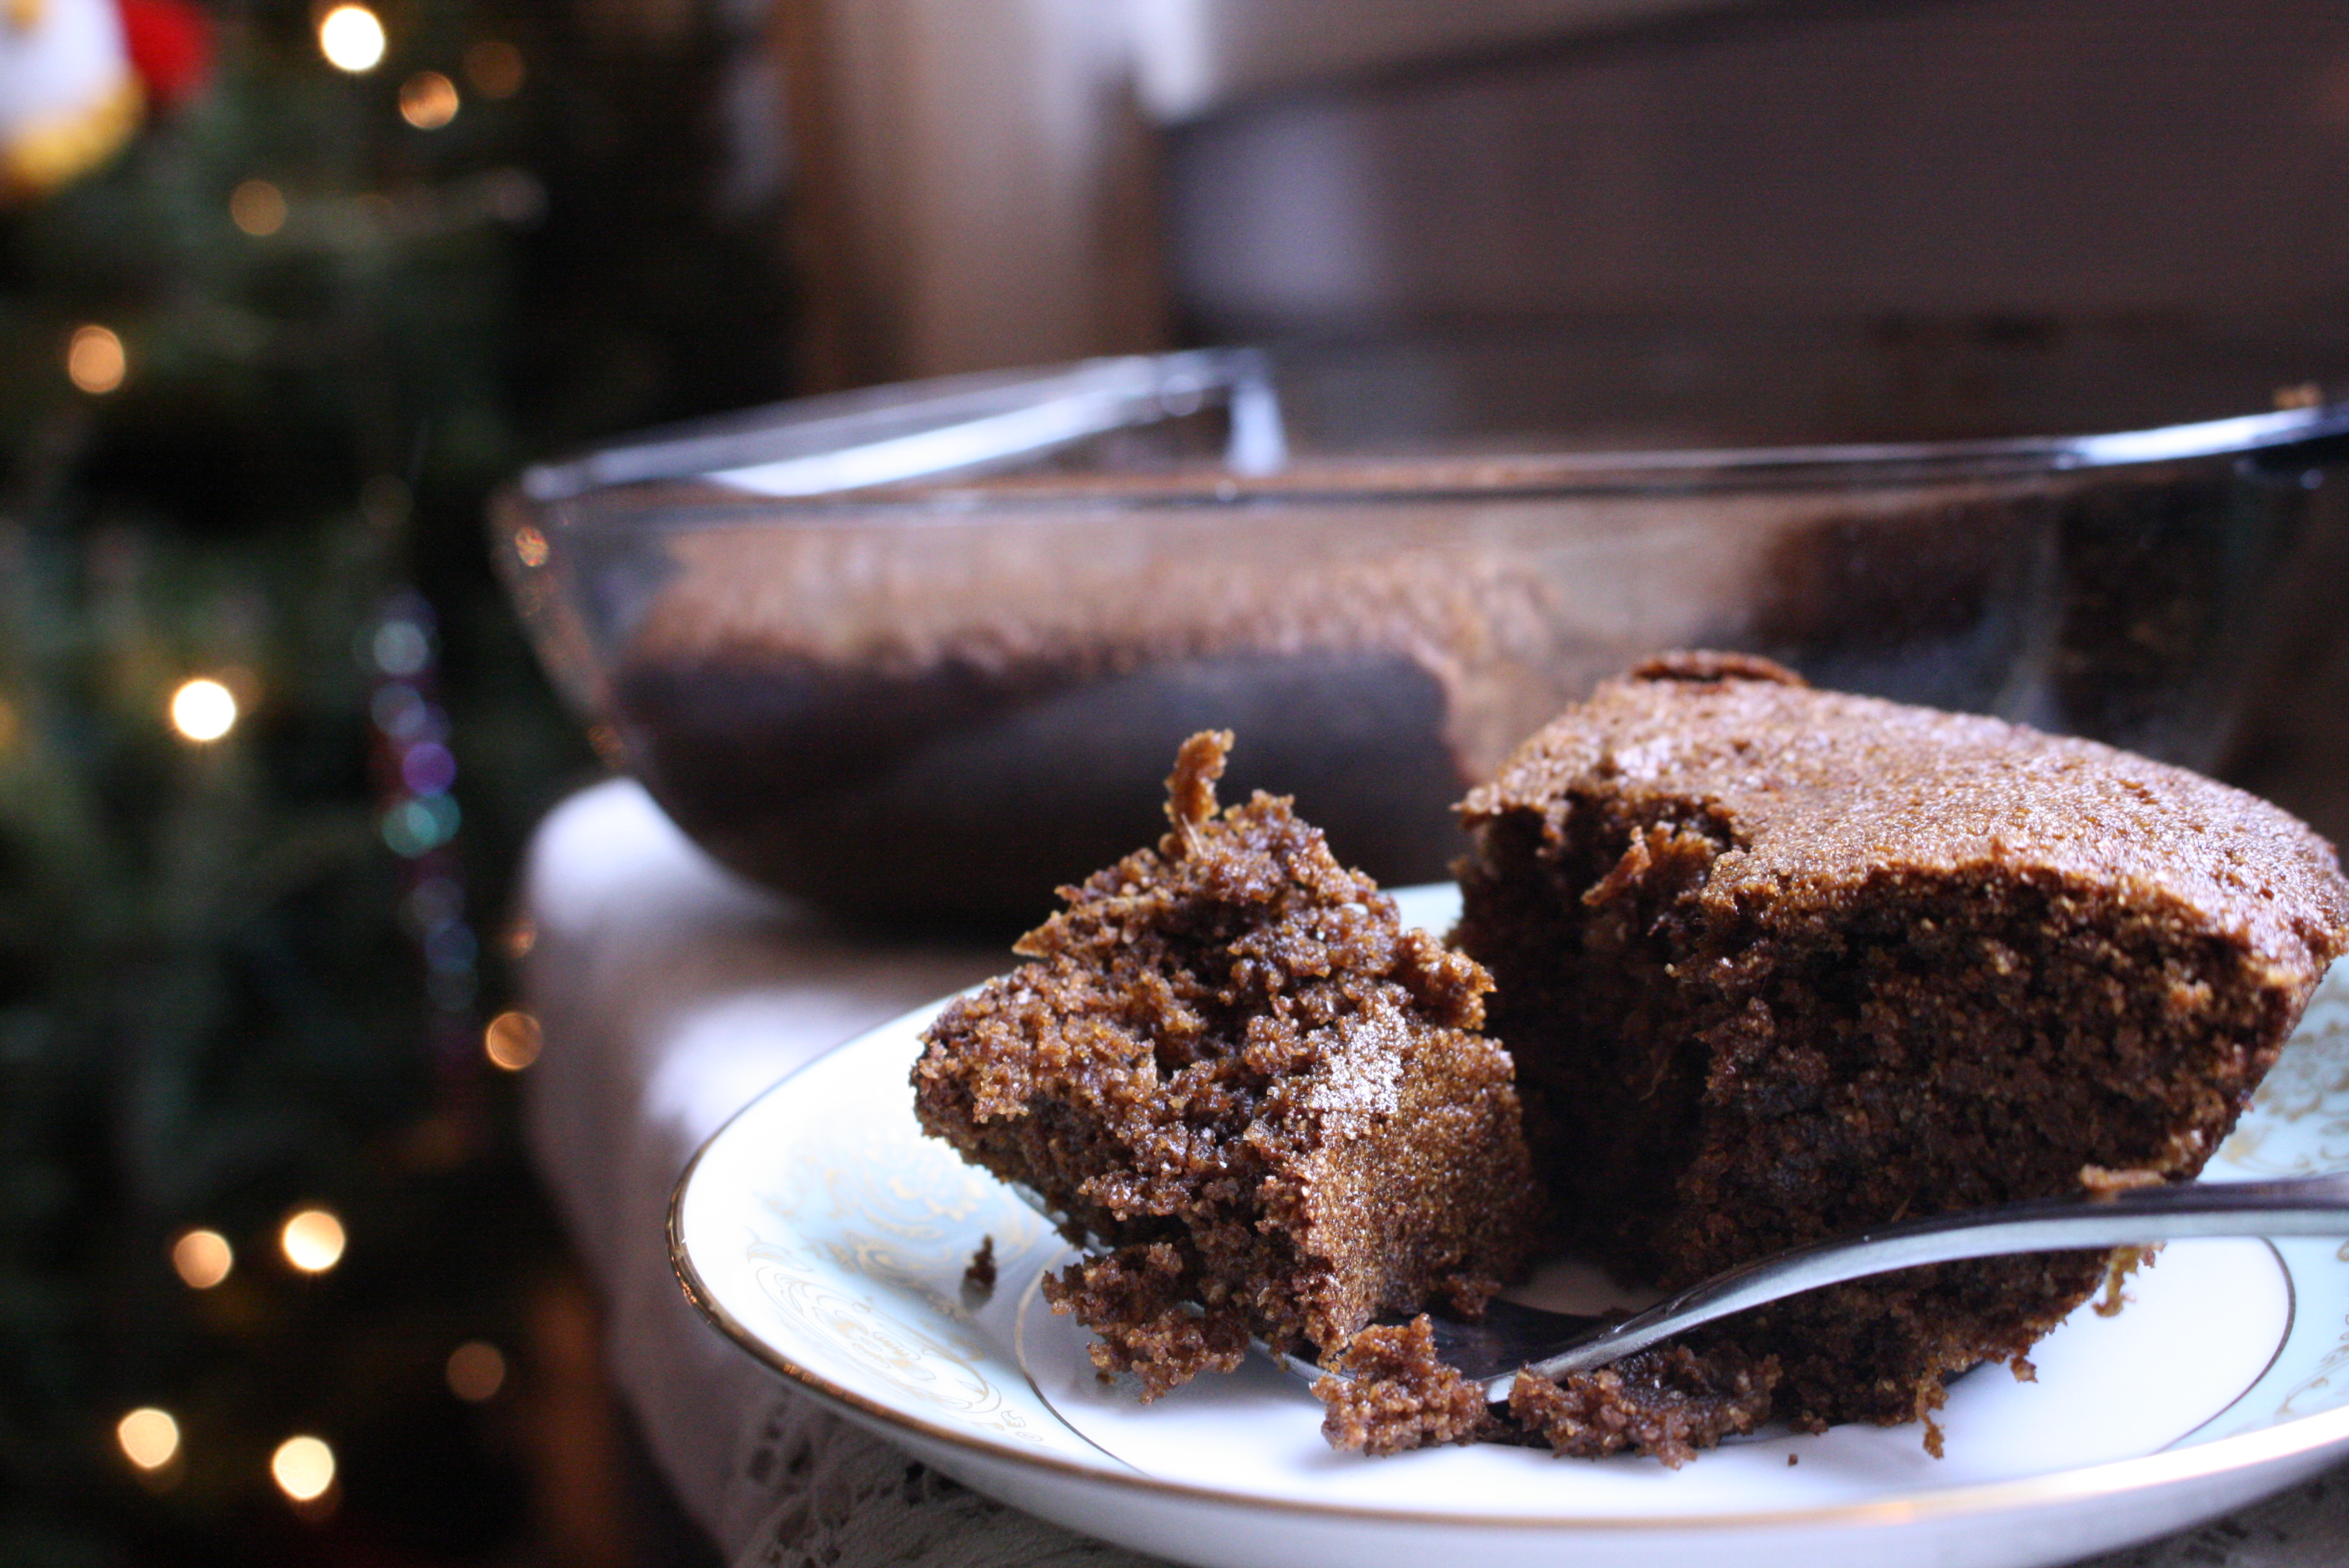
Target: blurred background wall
[[2169, 160], [986, 184]]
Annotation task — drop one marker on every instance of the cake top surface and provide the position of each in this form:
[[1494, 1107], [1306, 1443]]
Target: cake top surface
[[1813, 789]]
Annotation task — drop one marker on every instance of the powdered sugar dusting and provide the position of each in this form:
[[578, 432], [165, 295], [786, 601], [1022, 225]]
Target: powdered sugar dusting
[[1362, 1072]]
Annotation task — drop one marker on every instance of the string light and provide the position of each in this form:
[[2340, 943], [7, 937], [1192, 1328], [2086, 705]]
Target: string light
[[511, 1041], [312, 1240], [477, 1370], [302, 1468], [258, 208], [203, 1258], [427, 100], [95, 360], [494, 67], [401, 647], [149, 1437], [203, 710], [416, 767], [351, 37], [417, 827]]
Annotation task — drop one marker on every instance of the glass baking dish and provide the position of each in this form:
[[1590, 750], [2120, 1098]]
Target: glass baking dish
[[920, 654]]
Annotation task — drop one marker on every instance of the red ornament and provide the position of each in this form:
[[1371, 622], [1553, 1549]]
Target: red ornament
[[171, 47]]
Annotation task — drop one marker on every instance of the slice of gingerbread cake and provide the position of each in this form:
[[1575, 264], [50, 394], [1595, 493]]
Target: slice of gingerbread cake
[[1776, 963], [1229, 1066]]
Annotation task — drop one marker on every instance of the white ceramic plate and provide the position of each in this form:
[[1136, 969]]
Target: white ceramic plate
[[825, 1234]]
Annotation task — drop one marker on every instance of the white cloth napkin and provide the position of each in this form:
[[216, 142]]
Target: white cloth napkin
[[671, 995]]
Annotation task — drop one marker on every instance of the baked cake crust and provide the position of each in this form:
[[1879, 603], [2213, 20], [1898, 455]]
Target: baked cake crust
[[1777, 962]]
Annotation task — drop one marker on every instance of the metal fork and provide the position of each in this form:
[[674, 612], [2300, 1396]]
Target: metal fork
[[1513, 1337]]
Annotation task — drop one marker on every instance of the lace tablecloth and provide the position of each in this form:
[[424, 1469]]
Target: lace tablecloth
[[671, 995]]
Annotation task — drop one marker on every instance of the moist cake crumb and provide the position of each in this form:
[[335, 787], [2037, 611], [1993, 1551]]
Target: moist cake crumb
[[2121, 1263], [1396, 1396], [1139, 1303], [1667, 1402], [979, 1279], [1229, 1068]]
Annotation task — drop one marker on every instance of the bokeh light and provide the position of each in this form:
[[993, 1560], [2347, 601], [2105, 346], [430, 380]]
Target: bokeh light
[[477, 1370], [312, 1240], [257, 207], [351, 37], [304, 1468], [427, 100], [530, 546], [511, 1041], [149, 1437], [494, 67], [401, 648], [418, 827], [203, 710], [428, 768], [203, 1259], [95, 359]]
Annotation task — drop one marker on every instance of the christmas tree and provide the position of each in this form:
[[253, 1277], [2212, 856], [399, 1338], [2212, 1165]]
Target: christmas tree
[[286, 292]]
